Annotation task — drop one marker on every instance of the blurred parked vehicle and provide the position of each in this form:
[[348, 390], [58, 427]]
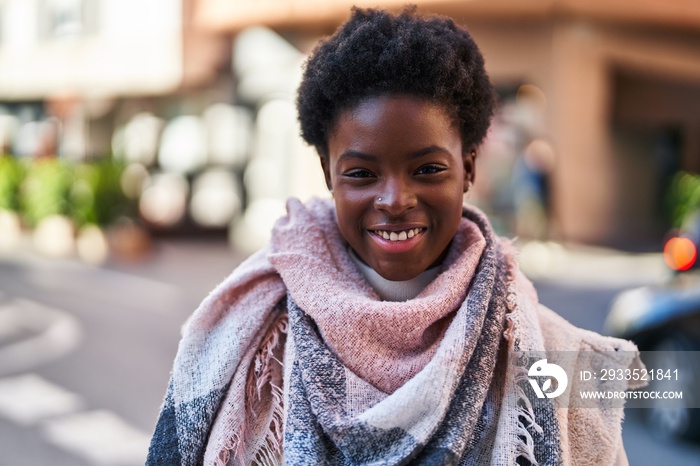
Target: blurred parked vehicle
[[664, 319]]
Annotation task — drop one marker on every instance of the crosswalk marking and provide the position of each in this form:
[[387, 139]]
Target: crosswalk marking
[[32, 334], [27, 399], [101, 437], [46, 334]]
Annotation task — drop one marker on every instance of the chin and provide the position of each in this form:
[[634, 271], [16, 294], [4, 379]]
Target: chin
[[399, 275]]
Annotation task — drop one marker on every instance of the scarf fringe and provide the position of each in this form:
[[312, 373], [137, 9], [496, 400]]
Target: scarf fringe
[[525, 445], [265, 355], [270, 451], [270, 448], [526, 420], [225, 454]]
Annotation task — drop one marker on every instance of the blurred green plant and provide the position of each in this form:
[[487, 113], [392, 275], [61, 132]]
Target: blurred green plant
[[45, 190], [11, 176], [88, 193], [683, 197], [96, 196]]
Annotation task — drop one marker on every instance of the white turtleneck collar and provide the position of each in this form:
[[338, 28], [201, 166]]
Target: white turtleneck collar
[[389, 290]]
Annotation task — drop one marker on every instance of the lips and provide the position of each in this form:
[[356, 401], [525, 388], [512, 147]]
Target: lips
[[398, 235]]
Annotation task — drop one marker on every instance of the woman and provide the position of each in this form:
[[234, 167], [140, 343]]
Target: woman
[[380, 327]]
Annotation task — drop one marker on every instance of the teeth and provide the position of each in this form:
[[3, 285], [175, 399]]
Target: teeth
[[398, 236]]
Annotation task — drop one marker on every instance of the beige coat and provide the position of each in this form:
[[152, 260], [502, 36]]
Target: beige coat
[[590, 436]]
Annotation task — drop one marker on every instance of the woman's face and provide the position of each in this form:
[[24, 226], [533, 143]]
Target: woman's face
[[398, 172]]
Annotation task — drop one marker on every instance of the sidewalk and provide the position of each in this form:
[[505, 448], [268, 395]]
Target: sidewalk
[[194, 266], [590, 265], [197, 265]]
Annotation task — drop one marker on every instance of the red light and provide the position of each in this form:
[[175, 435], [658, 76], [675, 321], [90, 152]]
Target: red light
[[680, 253]]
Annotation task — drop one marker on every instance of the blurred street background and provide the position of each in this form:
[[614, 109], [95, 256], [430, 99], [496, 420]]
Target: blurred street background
[[147, 147]]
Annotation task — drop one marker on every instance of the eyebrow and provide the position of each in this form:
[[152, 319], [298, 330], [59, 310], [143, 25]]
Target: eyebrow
[[353, 154]]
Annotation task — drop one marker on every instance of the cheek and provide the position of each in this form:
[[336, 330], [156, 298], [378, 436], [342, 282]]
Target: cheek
[[349, 212], [450, 212], [353, 202]]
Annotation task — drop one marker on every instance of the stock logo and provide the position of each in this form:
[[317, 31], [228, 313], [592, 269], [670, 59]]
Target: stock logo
[[551, 371]]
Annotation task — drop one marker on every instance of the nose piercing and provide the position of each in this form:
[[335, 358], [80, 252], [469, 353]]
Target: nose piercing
[[379, 199]]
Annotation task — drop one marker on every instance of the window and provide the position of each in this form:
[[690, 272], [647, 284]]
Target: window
[[68, 19]]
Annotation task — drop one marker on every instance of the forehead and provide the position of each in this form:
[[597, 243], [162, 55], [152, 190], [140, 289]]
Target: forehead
[[394, 121]]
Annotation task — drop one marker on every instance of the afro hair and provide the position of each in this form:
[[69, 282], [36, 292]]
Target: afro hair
[[378, 53]]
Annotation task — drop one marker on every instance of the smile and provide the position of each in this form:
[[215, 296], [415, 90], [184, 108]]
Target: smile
[[402, 235]]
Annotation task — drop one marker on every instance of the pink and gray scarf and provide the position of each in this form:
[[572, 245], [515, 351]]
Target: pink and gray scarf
[[294, 359]]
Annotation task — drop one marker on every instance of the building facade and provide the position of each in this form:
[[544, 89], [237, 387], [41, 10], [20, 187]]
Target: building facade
[[620, 79], [599, 98]]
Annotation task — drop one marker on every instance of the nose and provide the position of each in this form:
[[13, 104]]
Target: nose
[[396, 197]]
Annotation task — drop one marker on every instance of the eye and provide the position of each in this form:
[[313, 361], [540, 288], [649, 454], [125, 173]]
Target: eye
[[430, 169], [358, 173]]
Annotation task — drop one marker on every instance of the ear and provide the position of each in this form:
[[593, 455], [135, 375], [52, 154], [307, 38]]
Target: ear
[[469, 159], [326, 166]]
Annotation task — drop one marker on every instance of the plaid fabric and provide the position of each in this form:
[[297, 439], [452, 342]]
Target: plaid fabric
[[454, 402]]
